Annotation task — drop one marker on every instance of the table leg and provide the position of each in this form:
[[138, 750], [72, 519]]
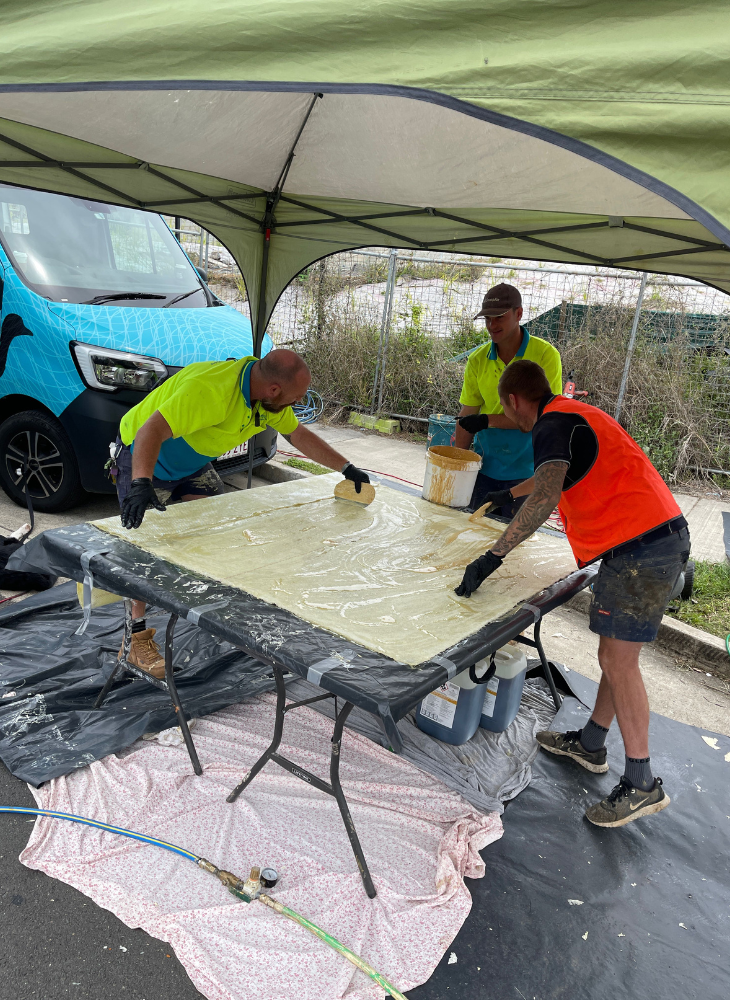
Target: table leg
[[333, 788], [274, 746], [342, 801], [546, 666], [172, 687], [126, 643]]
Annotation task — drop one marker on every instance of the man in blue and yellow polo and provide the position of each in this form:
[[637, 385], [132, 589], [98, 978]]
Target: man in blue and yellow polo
[[506, 449], [167, 442]]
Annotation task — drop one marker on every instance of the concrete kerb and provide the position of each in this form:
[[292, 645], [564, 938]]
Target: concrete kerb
[[680, 639]]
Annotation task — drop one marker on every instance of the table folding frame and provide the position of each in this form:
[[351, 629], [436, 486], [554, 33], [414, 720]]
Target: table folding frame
[[331, 787], [123, 667]]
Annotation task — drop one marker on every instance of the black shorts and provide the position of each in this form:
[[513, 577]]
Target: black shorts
[[204, 483], [632, 589]]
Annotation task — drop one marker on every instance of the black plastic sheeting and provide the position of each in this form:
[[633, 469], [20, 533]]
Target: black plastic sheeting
[[654, 917], [368, 679], [655, 895], [50, 678]]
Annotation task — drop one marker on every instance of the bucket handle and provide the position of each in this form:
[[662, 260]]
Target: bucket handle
[[487, 675]]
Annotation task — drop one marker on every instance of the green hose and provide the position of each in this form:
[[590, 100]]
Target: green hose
[[231, 882], [727, 643], [274, 904]]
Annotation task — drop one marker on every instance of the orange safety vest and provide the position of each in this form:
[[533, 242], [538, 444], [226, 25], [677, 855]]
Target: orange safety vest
[[620, 498]]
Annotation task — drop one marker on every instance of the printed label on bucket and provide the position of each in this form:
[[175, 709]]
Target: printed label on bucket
[[490, 697], [440, 705]]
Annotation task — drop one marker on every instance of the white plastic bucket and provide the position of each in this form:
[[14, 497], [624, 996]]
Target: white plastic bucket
[[450, 475]]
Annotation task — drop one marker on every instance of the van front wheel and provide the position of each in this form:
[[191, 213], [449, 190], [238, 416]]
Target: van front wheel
[[38, 441]]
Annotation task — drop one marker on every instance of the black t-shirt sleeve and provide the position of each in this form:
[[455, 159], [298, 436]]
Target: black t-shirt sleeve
[[551, 438]]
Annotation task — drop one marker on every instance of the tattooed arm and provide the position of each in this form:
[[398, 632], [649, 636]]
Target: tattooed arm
[[548, 484], [536, 509]]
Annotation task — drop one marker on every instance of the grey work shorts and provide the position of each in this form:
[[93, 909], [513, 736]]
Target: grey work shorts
[[204, 483], [632, 589]]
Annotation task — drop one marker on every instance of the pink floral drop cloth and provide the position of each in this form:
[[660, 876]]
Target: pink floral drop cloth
[[421, 840]]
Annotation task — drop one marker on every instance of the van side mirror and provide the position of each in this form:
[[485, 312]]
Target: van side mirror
[[203, 274]]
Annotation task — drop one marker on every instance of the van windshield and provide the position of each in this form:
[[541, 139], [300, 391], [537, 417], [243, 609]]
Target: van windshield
[[72, 250]]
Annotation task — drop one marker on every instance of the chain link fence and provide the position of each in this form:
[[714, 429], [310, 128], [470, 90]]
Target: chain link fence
[[389, 332]]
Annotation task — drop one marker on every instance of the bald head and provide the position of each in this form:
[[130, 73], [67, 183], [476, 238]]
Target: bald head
[[279, 379], [283, 367]]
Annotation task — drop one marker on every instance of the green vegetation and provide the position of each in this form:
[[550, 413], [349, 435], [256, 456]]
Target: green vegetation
[[677, 400], [709, 608], [306, 466]]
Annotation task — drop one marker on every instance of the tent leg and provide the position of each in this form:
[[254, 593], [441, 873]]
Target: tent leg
[[260, 327]]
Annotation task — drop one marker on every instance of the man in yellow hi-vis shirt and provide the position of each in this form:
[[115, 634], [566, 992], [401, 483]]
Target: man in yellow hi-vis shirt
[[167, 442], [507, 450]]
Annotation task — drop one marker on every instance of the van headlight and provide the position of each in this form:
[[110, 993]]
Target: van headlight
[[107, 369]]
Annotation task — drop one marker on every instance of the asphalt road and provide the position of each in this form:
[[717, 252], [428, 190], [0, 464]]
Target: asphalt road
[[57, 944]]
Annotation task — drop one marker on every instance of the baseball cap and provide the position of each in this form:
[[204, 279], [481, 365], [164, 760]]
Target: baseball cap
[[499, 300]]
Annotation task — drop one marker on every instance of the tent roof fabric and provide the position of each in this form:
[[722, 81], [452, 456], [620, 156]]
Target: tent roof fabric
[[294, 130]]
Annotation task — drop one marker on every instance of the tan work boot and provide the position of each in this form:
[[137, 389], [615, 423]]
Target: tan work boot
[[145, 653]]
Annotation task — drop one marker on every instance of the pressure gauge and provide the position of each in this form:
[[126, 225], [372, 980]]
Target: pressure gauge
[[269, 877]]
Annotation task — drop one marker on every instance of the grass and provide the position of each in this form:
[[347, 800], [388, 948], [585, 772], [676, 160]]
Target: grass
[[712, 594], [305, 466]]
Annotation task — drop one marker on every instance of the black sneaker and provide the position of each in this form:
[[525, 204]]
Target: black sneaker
[[568, 745], [625, 804]]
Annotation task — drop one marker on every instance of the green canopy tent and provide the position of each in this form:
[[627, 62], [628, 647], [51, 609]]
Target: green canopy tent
[[293, 129]]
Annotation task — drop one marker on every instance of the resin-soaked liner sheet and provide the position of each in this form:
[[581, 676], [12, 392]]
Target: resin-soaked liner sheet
[[382, 576]]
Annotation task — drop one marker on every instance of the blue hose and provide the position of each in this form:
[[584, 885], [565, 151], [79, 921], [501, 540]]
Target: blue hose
[[232, 883], [102, 826], [311, 409]]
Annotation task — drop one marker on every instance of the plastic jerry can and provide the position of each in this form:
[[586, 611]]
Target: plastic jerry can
[[451, 713], [504, 689]]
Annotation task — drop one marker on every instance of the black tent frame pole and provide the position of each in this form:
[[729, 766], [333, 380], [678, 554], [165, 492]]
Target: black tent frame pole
[[260, 323], [269, 222]]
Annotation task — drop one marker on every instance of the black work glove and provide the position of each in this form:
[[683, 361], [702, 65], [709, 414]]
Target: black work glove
[[477, 572], [357, 476], [500, 498], [140, 498], [475, 422]]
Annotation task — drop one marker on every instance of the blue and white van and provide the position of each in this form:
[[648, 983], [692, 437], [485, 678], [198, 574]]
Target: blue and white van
[[98, 305]]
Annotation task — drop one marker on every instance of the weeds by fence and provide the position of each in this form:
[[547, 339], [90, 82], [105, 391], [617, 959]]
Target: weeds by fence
[[677, 397]]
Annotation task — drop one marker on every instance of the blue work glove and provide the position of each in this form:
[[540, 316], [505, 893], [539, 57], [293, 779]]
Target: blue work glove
[[476, 573], [355, 475], [475, 422], [140, 498]]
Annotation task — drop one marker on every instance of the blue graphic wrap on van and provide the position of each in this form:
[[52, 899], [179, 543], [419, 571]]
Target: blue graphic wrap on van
[[39, 363], [38, 375]]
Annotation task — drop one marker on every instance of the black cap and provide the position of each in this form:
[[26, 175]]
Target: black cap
[[500, 300]]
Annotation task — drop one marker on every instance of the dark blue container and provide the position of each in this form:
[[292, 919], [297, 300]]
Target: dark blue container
[[452, 712]]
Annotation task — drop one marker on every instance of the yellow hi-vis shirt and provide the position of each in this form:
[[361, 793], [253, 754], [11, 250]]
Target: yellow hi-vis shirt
[[208, 407], [506, 454]]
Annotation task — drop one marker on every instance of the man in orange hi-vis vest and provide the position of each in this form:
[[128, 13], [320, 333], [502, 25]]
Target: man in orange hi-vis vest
[[616, 508]]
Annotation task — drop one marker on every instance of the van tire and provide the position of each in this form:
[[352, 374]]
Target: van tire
[[37, 436]]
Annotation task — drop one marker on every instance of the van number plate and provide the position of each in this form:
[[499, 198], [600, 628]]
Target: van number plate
[[240, 449]]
